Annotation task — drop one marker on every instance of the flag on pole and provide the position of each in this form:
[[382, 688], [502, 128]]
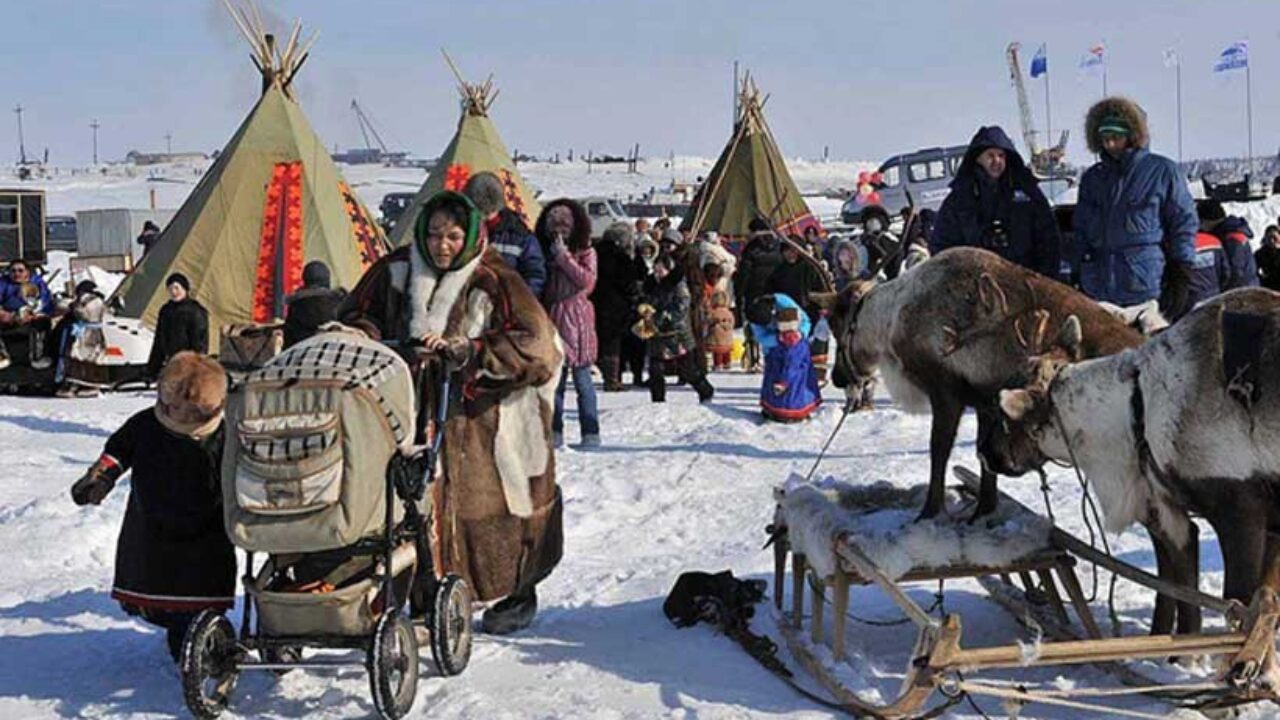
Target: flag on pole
[[1094, 59], [1040, 63], [1171, 58], [1233, 57]]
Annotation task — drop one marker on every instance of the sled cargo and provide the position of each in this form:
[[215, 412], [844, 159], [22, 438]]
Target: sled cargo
[[832, 549]]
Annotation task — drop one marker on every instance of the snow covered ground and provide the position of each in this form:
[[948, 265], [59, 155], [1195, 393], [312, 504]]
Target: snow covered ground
[[676, 487]]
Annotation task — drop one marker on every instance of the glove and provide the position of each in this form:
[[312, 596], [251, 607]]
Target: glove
[[459, 352], [93, 487], [557, 246], [1175, 291]]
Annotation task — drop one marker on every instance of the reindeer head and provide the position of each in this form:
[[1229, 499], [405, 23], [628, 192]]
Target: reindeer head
[[842, 313], [1026, 436]]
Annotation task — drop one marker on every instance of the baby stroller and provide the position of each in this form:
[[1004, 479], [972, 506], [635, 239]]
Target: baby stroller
[[320, 473]]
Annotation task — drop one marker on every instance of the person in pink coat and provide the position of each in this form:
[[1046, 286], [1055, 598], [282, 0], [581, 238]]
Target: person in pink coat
[[565, 233]]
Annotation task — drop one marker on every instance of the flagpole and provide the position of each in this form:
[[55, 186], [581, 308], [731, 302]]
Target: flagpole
[[1178, 68], [1048, 116], [1248, 104]]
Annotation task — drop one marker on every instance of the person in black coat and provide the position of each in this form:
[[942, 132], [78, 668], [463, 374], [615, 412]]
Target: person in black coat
[[797, 278], [759, 259], [173, 557], [1268, 258], [996, 204], [183, 324], [312, 306], [616, 296]]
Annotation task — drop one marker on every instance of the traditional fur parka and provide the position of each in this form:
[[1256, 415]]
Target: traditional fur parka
[[496, 507], [173, 554]]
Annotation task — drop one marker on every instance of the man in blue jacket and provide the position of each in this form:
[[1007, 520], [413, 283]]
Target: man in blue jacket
[[996, 204], [26, 306], [1235, 234], [1135, 221], [508, 234]]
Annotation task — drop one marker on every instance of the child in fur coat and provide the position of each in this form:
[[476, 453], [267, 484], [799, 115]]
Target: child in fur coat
[[173, 558], [720, 330]]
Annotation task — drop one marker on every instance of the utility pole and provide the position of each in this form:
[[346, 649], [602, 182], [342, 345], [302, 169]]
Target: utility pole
[[22, 146], [95, 127], [1248, 104], [168, 143]]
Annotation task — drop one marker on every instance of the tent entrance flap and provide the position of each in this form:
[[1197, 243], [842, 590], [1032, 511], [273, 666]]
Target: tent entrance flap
[[279, 269]]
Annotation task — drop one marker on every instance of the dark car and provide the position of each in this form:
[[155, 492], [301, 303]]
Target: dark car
[[393, 206]]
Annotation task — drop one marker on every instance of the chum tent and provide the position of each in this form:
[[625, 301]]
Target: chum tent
[[271, 202], [475, 147], [749, 180]]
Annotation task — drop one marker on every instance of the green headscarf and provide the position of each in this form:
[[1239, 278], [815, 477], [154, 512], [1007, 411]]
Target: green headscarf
[[471, 247]]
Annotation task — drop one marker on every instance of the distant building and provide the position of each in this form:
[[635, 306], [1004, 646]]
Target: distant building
[[142, 158]]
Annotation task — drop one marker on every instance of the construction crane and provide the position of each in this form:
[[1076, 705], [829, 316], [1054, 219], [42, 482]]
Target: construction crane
[[370, 153], [1044, 161]]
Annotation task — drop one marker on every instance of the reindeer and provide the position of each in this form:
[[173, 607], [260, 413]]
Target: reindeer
[[1189, 422], [950, 334]]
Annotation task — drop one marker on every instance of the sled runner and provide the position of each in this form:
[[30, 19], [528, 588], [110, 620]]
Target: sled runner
[[320, 473], [838, 536]]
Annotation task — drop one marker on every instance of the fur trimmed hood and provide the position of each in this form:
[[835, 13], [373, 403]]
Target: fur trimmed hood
[[581, 237], [192, 392], [1135, 117]]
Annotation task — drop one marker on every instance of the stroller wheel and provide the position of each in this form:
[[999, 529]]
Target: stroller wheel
[[208, 664], [451, 626], [393, 666]]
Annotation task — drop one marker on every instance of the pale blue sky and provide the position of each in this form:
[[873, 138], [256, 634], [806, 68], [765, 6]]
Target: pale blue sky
[[866, 78]]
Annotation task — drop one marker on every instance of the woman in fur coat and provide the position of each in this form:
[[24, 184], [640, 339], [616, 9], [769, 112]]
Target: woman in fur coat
[[173, 558], [496, 510], [565, 232]]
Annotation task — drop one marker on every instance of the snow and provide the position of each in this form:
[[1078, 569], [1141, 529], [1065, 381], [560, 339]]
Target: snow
[[677, 486]]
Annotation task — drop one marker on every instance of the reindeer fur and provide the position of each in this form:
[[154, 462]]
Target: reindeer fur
[[950, 333], [1215, 453]]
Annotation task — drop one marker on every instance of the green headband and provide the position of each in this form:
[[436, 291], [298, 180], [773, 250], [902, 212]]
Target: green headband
[[471, 246], [1114, 125]]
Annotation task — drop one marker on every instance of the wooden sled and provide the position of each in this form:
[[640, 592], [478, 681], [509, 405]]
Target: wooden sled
[[940, 664]]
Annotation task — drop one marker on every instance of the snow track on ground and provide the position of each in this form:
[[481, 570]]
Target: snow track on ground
[[678, 486]]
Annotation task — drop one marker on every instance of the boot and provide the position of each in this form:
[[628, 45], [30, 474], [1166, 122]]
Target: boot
[[39, 360], [611, 369], [513, 613]]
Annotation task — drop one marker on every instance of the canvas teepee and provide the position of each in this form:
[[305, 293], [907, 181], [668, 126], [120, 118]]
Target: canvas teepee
[[475, 147], [272, 202], [749, 180]]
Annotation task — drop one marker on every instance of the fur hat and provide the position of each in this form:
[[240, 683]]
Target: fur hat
[[1116, 110], [486, 191], [620, 234], [1210, 210], [192, 391], [758, 224], [671, 236]]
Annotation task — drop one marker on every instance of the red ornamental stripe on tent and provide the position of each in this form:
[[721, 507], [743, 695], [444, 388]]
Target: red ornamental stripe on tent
[[362, 230], [279, 269]]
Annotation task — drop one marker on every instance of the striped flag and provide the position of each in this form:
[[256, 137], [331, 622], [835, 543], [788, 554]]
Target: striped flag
[[1094, 59], [1040, 62], [1233, 57]]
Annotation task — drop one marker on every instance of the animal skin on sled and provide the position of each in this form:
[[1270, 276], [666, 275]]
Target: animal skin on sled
[[881, 520]]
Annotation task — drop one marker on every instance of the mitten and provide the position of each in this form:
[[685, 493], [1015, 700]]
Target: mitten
[[97, 482]]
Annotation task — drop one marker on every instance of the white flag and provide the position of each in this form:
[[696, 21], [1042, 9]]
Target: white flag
[[1171, 58]]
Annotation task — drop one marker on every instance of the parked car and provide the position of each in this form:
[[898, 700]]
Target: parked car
[[60, 233], [393, 206], [926, 173], [603, 212]]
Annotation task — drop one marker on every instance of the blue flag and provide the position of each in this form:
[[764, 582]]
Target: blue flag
[[1039, 63], [1234, 57]]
